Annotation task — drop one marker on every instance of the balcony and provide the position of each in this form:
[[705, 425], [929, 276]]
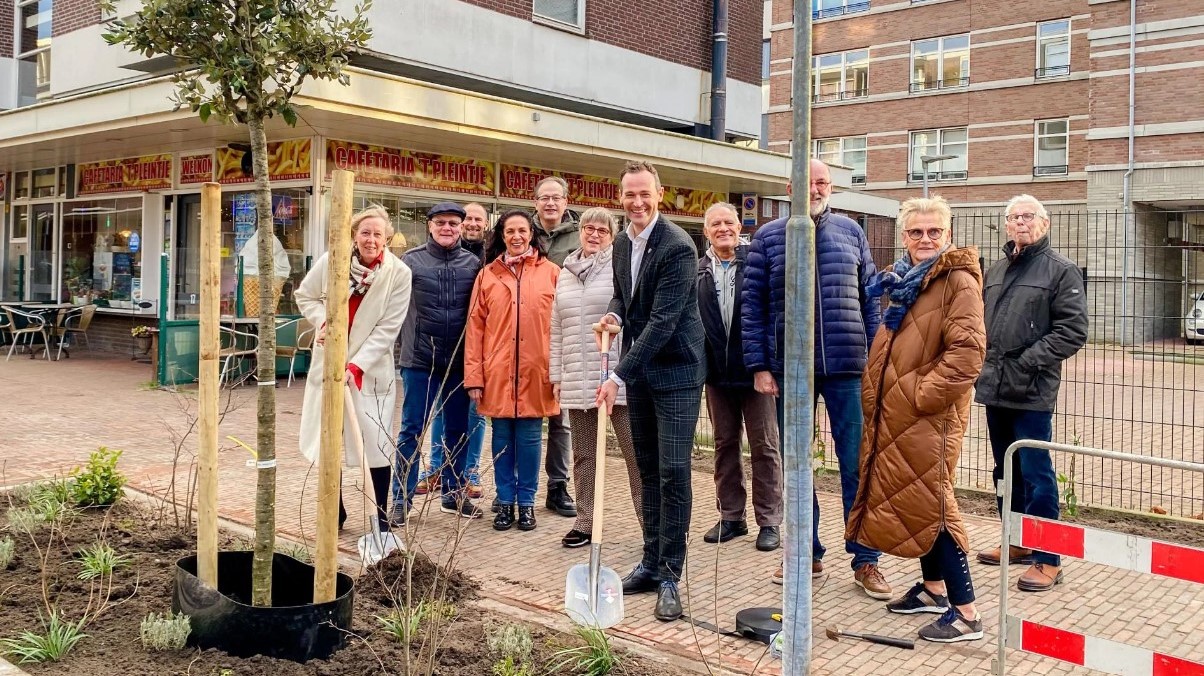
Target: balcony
[[1051, 170], [851, 8], [1051, 71], [840, 96], [858, 179], [918, 176], [929, 85]]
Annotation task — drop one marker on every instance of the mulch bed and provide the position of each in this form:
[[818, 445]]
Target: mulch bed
[[112, 645]]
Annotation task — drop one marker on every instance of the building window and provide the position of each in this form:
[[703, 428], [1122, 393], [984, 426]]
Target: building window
[[764, 141], [33, 50], [567, 12], [940, 63], [1053, 49], [101, 244], [848, 151], [934, 142], [826, 9], [765, 59], [841, 76], [1052, 145]]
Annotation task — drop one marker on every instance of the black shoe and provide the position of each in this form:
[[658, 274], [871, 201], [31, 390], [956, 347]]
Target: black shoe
[[725, 530], [575, 538], [559, 501], [464, 507], [497, 504], [768, 539], [668, 602], [505, 517], [342, 513], [640, 580], [526, 518], [397, 516]]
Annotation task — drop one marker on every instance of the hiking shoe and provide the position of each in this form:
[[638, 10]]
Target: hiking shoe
[[952, 627], [1039, 577], [428, 484], [397, 516], [1016, 555], [464, 508], [575, 538], [919, 600], [869, 578]]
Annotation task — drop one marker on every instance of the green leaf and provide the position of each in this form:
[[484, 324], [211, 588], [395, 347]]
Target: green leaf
[[290, 115], [205, 111]]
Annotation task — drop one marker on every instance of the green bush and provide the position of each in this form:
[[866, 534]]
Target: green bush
[[6, 552], [98, 483], [60, 637]]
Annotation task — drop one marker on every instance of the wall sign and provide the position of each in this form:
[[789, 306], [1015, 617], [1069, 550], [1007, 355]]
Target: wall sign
[[196, 168], [400, 168], [519, 182], [287, 161], [149, 172]]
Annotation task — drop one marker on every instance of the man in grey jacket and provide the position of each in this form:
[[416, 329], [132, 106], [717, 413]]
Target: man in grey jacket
[[1036, 317]]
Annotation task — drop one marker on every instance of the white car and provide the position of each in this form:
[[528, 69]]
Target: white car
[[1193, 323]]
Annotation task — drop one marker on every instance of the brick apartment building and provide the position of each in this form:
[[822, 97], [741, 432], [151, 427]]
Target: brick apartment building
[[1030, 96], [467, 100]]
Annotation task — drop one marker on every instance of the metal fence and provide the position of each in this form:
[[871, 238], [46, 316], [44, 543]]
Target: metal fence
[[1136, 385]]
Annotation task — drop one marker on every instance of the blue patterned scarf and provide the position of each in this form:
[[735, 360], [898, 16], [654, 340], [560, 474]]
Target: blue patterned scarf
[[902, 282]]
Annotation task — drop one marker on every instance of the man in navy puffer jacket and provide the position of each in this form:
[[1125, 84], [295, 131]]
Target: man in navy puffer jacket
[[845, 323]]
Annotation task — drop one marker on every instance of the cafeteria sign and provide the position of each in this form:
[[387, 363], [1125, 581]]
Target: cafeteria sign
[[400, 168], [196, 168], [149, 172], [590, 191], [287, 161], [688, 202]]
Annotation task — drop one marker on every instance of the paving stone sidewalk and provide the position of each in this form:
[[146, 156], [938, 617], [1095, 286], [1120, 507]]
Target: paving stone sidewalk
[[53, 414]]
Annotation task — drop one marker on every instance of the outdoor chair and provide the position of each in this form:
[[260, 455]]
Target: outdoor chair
[[236, 346], [75, 322], [22, 324], [303, 343]]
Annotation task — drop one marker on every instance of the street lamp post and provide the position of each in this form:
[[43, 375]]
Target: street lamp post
[[926, 160]]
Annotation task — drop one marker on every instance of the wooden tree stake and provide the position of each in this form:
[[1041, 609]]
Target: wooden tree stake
[[210, 350]]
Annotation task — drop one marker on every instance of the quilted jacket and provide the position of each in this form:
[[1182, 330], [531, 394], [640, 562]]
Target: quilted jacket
[[916, 396], [845, 320], [574, 359], [443, 278]]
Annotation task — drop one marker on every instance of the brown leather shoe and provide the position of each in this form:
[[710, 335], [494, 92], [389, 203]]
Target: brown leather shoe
[[817, 570], [1039, 577], [1016, 555], [869, 578], [780, 576]]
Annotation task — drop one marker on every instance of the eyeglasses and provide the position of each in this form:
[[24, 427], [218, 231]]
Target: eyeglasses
[[449, 223], [546, 199], [821, 184], [591, 230], [1026, 217], [916, 234]]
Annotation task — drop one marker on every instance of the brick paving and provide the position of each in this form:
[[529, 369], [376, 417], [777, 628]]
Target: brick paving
[[53, 414]]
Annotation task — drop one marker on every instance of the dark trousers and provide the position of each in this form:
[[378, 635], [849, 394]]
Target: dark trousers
[[734, 410], [380, 485], [947, 562], [1034, 482], [662, 427], [422, 393], [560, 451]]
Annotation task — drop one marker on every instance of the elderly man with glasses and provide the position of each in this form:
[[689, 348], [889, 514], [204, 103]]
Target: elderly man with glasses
[[1036, 318]]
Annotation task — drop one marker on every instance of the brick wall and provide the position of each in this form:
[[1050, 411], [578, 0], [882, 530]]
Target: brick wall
[[71, 15], [111, 333], [6, 30], [678, 31]]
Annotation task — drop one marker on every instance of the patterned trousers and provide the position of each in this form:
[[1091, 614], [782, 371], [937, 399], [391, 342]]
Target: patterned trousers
[[584, 425]]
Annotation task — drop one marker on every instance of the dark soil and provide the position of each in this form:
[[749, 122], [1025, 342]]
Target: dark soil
[[112, 645]]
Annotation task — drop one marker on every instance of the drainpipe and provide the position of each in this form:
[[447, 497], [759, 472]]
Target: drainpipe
[[719, 72], [1130, 219]]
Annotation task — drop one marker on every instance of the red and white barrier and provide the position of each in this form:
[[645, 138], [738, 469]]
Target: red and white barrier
[[1118, 550], [1100, 654]]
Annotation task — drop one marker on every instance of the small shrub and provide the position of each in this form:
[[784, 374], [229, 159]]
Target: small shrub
[[401, 626], [45, 502], [53, 490], [165, 632], [98, 483], [595, 658], [100, 560], [510, 641], [6, 552], [60, 637], [509, 667], [24, 519], [296, 550]]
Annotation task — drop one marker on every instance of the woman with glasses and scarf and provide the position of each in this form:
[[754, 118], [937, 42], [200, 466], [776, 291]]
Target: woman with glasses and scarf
[[506, 369], [377, 306], [916, 395]]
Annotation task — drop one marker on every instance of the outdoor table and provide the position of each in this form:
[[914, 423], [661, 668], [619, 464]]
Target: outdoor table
[[61, 310]]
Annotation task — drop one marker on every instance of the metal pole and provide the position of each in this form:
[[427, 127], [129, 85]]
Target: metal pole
[[1127, 194], [719, 71], [924, 167], [799, 419]]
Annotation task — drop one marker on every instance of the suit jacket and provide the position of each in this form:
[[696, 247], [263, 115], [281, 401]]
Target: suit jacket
[[662, 331]]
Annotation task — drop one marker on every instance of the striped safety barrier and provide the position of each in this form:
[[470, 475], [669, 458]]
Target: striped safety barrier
[[1118, 550]]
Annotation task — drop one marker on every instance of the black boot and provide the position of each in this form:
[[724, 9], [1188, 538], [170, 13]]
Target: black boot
[[559, 501], [526, 518], [505, 517]]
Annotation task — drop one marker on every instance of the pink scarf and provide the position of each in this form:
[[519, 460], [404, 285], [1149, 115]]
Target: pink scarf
[[515, 261]]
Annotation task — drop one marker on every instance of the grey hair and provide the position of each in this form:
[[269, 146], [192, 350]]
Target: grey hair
[[564, 186], [372, 211], [720, 205], [925, 205], [1027, 199], [601, 215]]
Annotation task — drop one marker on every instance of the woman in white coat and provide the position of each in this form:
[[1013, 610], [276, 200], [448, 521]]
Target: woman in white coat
[[380, 298], [583, 291]]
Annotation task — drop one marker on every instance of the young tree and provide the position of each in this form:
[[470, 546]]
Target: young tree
[[243, 61]]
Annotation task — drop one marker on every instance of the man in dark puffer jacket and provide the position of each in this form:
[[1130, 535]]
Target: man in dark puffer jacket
[[845, 324]]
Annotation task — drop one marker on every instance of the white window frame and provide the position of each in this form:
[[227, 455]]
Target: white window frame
[[940, 55], [1050, 169], [843, 94], [1041, 72], [935, 173], [578, 27], [842, 143], [845, 7], [41, 91]]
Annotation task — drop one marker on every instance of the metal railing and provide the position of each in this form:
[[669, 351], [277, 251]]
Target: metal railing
[[929, 85], [829, 97], [1050, 170], [850, 8], [1051, 71], [916, 177]]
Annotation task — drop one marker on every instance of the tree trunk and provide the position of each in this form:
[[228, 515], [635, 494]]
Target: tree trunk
[[265, 494]]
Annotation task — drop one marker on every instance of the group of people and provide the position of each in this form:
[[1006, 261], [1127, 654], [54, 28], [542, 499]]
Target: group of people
[[509, 327]]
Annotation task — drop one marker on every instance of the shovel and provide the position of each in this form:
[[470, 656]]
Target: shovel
[[593, 594], [374, 545]]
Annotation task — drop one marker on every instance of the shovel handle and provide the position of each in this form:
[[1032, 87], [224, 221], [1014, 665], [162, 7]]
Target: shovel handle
[[904, 643], [600, 442]]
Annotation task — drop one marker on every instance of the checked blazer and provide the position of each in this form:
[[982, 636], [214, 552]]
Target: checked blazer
[[663, 337]]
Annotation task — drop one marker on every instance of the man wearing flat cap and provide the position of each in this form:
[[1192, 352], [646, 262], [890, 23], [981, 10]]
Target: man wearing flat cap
[[432, 361]]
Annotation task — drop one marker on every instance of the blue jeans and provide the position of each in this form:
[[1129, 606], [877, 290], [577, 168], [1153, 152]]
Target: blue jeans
[[476, 439], [1034, 482], [516, 448], [420, 394]]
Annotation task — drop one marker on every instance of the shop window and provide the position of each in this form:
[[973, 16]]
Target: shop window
[[44, 182], [102, 259]]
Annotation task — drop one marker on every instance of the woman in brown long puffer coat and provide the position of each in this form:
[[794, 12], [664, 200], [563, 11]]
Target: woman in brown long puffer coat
[[916, 395]]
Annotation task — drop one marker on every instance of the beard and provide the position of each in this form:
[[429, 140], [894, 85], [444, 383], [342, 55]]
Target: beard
[[817, 207]]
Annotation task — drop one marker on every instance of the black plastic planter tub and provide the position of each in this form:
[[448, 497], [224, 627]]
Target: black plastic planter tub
[[292, 628]]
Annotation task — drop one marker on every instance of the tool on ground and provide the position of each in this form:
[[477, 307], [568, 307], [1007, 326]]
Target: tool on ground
[[593, 594], [835, 633], [757, 624], [373, 545]]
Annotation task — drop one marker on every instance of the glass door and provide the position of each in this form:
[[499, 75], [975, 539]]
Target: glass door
[[43, 254], [186, 258]]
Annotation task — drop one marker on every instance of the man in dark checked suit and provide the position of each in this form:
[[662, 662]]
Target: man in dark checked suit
[[655, 263]]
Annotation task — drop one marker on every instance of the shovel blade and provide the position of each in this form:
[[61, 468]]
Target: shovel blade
[[374, 547], [599, 606]]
